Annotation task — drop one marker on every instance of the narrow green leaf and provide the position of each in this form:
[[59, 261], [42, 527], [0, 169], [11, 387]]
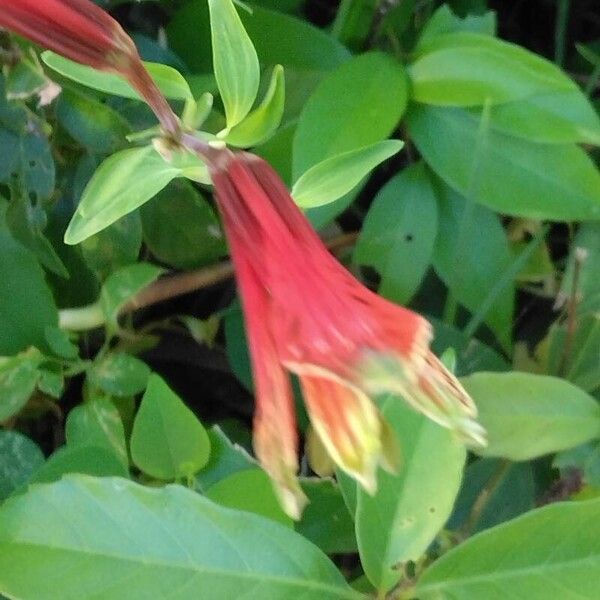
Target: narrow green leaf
[[167, 542], [170, 82], [549, 552], [444, 21], [539, 181], [401, 520], [234, 61], [264, 120], [469, 69], [527, 415], [399, 233], [332, 178], [167, 441]]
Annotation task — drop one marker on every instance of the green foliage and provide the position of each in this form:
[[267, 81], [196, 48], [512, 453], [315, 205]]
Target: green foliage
[[448, 168]]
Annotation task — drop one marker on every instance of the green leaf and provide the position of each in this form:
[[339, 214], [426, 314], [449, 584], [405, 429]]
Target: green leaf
[[511, 492], [252, 491], [181, 228], [26, 303], [161, 542], [60, 344], [332, 178], [97, 422], [123, 285], [170, 82], [527, 415], [470, 69], [411, 507], [585, 458], [168, 441], [226, 458], [444, 21], [93, 124], [549, 552], [122, 183], [326, 521], [358, 104], [556, 182], [471, 254], [119, 374], [114, 247], [99, 461], [19, 459], [557, 118], [264, 120], [399, 233], [18, 378], [51, 383], [234, 60]]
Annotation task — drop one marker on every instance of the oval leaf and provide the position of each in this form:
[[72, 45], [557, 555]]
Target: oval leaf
[[331, 179], [122, 183], [170, 82], [527, 415], [234, 61], [399, 233], [167, 441], [538, 181], [411, 507], [163, 543], [552, 552], [469, 69]]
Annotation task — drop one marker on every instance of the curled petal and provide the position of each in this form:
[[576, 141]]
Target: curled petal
[[348, 424]]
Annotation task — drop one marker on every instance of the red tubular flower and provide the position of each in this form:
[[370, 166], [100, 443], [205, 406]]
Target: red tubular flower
[[83, 32], [307, 315]]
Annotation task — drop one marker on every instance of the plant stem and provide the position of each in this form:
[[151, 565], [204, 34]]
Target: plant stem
[[91, 317]]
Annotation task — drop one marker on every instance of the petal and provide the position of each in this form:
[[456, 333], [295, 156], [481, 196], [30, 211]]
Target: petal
[[347, 422]]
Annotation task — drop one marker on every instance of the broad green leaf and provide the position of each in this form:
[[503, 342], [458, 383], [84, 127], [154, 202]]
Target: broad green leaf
[[122, 183], [25, 79], [470, 69], [18, 379], [325, 520], [94, 125], [235, 61], [166, 542], [411, 507], [471, 254], [527, 415], [264, 120], [170, 82], [97, 422], [114, 247], [98, 461], [60, 343], [119, 374], [512, 492], [236, 345], [557, 118], [26, 303], [252, 491], [51, 383], [181, 228], [549, 552], [357, 105], [121, 287], [19, 459], [444, 21], [167, 441], [226, 458], [539, 181], [332, 178], [399, 233]]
